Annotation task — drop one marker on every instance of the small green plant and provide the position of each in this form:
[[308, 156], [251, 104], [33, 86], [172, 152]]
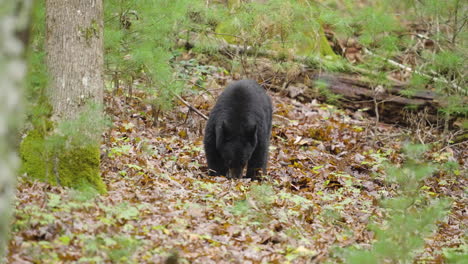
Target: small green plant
[[260, 204], [324, 91], [456, 255], [411, 215], [119, 248]]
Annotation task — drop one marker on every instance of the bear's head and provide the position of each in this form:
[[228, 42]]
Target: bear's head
[[236, 145]]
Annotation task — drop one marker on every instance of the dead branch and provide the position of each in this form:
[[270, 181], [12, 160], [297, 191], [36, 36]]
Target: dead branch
[[190, 106]]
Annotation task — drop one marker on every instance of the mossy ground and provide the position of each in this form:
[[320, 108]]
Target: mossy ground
[[73, 166]]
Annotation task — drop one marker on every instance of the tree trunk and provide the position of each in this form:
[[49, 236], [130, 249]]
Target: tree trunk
[[74, 59], [74, 44], [13, 18]]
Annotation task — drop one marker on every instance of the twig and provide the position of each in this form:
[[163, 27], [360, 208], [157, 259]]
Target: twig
[[453, 145], [189, 106]]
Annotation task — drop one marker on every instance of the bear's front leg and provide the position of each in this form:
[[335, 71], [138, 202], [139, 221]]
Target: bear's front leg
[[257, 163]]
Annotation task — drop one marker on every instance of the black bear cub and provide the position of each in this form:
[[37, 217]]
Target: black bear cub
[[238, 131]]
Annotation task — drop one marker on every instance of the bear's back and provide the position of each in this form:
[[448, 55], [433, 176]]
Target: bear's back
[[244, 96]]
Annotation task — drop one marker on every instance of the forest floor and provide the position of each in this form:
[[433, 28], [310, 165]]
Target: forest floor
[[325, 180]]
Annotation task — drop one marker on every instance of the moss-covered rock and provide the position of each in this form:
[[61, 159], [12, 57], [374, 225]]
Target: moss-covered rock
[[73, 166]]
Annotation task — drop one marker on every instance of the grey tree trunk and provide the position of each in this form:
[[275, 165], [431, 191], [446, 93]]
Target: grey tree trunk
[[75, 61], [74, 44], [13, 19]]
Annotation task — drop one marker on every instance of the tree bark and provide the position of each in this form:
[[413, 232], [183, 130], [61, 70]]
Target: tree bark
[[75, 61], [12, 69], [74, 44]]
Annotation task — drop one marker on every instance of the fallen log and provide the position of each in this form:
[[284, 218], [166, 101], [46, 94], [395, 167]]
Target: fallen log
[[389, 104], [392, 106]]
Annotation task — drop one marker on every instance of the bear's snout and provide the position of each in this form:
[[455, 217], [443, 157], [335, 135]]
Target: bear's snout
[[235, 173]]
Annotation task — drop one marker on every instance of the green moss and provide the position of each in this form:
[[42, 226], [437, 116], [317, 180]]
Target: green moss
[[79, 168], [33, 155], [74, 166]]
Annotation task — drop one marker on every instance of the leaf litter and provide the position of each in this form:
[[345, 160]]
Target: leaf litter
[[324, 183]]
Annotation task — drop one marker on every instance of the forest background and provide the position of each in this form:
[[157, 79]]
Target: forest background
[[369, 151]]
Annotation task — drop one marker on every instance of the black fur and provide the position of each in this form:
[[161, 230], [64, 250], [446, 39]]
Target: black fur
[[238, 131]]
